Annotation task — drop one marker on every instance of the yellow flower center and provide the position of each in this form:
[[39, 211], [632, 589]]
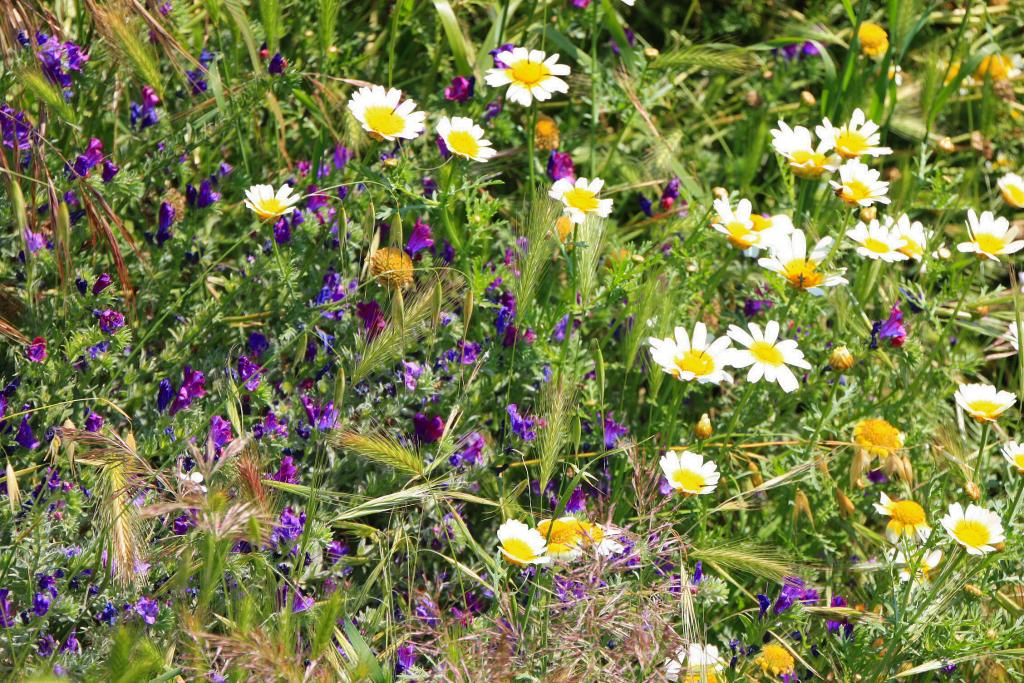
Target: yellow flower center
[[463, 143], [1018, 462], [688, 480], [854, 191], [985, 410], [877, 436], [383, 120], [912, 249], [972, 533], [877, 246], [270, 207], [527, 73], [1014, 196], [803, 274], [907, 512], [760, 222], [696, 677], [766, 353], [697, 362], [807, 163], [988, 243], [517, 551], [776, 660], [584, 200], [740, 235], [851, 144]]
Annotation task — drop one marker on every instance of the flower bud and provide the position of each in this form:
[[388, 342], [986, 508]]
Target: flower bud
[[801, 507], [973, 590], [868, 214], [651, 52], [807, 97], [947, 145], [720, 192], [703, 428], [755, 472], [972, 490], [841, 359], [846, 508]]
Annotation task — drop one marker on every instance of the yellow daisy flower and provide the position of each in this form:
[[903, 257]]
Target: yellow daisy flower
[[877, 437], [529, 75], [521, 545], [267, 204], [984, 402], [978, 530], [907, 519], [874, 41]]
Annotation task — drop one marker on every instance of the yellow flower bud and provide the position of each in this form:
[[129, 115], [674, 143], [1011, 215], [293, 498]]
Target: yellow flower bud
[[703, 428], [841, 359]]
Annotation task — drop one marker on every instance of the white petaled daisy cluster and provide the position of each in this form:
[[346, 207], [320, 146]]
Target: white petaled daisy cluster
[[689, 473], [990, 237], [529, 74], [581, 198], [266, 203], [978, 530], [705, 359], [747, 230], [789, 258], [385, 115]]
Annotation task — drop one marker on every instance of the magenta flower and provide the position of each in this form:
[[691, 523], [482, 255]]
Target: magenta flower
[[37, 350]]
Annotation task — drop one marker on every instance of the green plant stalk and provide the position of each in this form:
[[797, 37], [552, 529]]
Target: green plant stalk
[[531, 143], [1011, 510], [595, 72], [982, 460]]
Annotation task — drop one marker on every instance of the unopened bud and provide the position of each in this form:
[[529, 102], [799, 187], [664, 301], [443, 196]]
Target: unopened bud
[[801, 507], [973, 590], [893, 174], [753, 98], [651, 52], [768, 74], [868, 214], [846, 508], [972, 490], [841, 359], [720, 192], [807, 97], [946, 145], [703, 428], [755, 473]]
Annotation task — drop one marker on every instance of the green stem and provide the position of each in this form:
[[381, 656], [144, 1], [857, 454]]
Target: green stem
[[531, 143], [979, 463], [1011, 511], [594, 73]]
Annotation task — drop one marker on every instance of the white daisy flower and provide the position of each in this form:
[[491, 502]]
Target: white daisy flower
[[915, 238], [918, 567], [1012, 336], [854, 139], [698, 662], [266, 203], [464, 138], [700, 357], [788, 257], [859, 185], [581, 198], [990, 236], [1011, 186], [689, 473], [877, 241], [984, 402], [805, 159], [748, 231], [1013, 452], [767, 355], [384, 115], [530, 75], [978, 530], [907, 519], [521, 545]]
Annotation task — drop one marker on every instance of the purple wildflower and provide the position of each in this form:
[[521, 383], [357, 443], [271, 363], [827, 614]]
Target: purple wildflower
[[521, 425], [421, 238], [110, 320], [36, 351], [461, 89], [193, 386], [286, 471], [560, 166], [148, 609], [25, 436], [429, 428], [93, 422]]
